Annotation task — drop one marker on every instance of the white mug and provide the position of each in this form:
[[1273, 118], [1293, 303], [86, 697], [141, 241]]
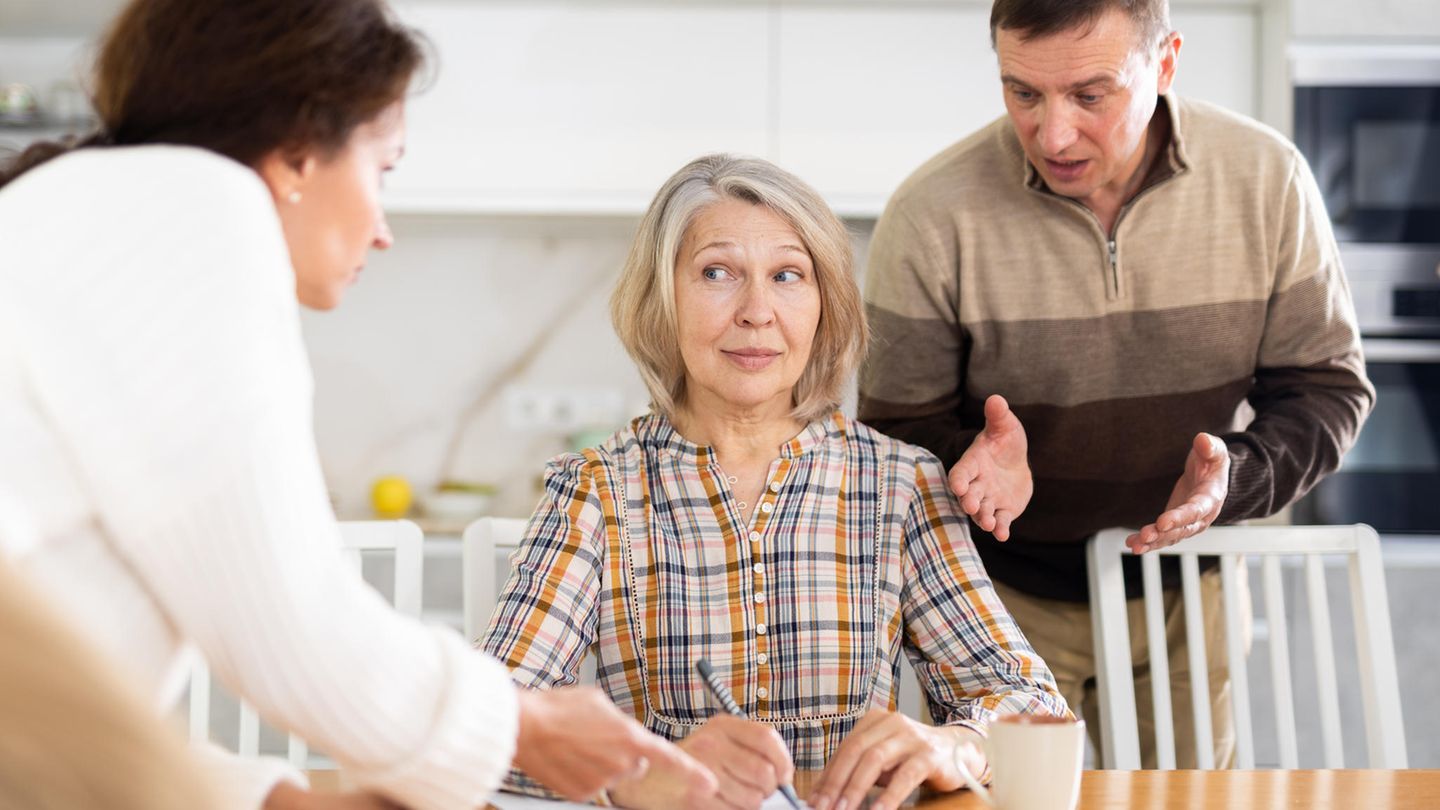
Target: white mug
[[1035, 763]]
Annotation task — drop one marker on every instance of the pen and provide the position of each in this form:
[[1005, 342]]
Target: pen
[[707, 674]]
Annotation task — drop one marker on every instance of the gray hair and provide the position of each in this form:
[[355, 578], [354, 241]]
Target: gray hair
[[643, 304]]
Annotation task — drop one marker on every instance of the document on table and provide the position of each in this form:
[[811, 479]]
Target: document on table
[[512, 801]]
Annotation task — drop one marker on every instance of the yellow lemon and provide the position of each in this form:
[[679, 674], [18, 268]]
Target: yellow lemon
[[390, 496]]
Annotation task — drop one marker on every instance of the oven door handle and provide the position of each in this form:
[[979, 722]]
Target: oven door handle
[[1399, 350]]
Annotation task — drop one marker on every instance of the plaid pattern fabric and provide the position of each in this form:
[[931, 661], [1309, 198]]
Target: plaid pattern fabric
[[856, 552]]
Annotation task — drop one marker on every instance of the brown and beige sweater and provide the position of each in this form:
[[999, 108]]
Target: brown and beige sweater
[[1218, 304]]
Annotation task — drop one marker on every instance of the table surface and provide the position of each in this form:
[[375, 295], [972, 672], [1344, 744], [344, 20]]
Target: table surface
[[1241, 790], [1200, 790]]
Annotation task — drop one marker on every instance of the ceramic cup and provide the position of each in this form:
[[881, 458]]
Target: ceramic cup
[[1034, 763]]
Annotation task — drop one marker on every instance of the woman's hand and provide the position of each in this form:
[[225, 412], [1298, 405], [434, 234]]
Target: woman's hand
[[286, 796], [888, 748], [577, 743], [748, 758]]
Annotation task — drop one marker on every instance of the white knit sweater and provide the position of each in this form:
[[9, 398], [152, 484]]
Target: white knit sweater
[[155, 422]]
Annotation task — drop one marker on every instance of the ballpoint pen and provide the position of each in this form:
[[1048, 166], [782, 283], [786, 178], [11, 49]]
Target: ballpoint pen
[[727, 701]]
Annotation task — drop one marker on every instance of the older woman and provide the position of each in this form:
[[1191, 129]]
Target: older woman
[[747, 521]]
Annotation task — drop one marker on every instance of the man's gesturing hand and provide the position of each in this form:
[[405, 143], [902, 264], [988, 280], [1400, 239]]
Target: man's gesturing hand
[[992, 480], [1196, 500]]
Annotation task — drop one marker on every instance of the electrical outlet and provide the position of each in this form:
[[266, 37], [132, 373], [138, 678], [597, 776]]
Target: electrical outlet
[[562, 409]]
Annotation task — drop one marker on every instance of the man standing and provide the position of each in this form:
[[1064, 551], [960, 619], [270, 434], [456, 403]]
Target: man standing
[[1153, 286]]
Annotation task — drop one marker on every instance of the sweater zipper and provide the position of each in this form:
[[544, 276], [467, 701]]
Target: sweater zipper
[[1114, 265], [1112, 242]]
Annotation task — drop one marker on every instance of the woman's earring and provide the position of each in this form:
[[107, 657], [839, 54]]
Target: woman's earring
[[293, 197]]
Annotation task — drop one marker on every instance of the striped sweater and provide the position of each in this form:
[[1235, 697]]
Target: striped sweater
[[1217, 304]]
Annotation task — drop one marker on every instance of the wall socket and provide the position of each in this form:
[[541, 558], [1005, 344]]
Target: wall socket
[[560, 410]]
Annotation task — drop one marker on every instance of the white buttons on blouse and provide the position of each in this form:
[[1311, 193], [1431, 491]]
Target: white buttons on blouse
[[759, 598], [760, 629], [754, 537], [759, 568], [774, 486], [762, 658], [762, 693], [766, 508]]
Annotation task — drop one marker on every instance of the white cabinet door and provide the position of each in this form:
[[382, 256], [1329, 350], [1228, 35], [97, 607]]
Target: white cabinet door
[[552, 106], [868, 93], [1408, 19], [1219, 58]]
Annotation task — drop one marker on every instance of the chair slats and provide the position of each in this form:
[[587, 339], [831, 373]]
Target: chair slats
[[1199, 664], [1239, 671], [1120, 737], [1327, 688], [199, 701], [1375, 653], [1159, 655], [1280, 663], [249, 745], [1379, 684]]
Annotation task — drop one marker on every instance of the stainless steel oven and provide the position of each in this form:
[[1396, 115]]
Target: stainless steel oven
[[1368, 121]]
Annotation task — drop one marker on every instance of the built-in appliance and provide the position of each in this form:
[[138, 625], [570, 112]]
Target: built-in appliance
[[1368, 122]]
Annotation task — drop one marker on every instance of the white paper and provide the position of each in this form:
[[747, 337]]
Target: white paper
[[513, 801]]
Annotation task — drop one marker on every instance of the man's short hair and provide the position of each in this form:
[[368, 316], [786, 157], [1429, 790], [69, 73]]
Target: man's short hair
[[1039, 18]]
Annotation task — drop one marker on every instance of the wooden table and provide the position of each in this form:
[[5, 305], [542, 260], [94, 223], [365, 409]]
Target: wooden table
[[1241, 790], [1202, 790]]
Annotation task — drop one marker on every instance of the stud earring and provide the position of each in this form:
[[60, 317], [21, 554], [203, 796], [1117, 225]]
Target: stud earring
[[293, 197]]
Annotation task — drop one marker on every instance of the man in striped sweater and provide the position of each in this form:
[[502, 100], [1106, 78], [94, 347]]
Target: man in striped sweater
[[1152, 285]]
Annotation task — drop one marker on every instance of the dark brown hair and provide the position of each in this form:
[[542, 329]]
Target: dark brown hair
[[243, 77], [1039, 18]]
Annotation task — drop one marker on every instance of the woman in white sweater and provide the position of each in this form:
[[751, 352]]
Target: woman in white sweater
[[155, 404]]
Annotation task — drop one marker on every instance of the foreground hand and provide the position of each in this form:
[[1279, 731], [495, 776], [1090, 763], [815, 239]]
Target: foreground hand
[[286, 796], [888, 748], [1196, 500], [749, 759], [992, 480], [577, 743]]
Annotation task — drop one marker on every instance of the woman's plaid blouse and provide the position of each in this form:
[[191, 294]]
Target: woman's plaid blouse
[[856, 552]]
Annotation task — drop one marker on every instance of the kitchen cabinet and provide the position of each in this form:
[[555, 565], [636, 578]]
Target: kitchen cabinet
[[585, 106], [556, 107], [568, 107], [868, 92], [1349, 19]]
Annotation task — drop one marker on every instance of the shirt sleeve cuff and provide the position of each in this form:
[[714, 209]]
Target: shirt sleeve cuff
[[473, 741], [242, 783]]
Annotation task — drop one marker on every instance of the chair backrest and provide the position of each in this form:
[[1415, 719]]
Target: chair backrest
[[483, 540], [401, 538], [1379, 688]]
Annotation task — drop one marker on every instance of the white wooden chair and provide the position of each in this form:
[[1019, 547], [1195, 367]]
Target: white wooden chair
[[400, 537], [1379, 689], [483, 541]]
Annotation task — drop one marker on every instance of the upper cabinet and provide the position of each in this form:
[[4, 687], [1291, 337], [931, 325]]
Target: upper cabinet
[[574, 107], [865, 94], [1416, 20], [56, 17], [586, 107]]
